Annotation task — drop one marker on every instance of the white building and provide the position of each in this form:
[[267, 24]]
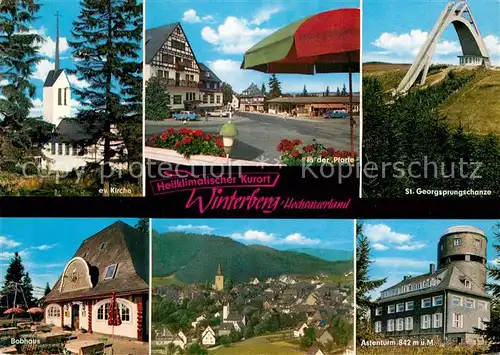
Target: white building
[[235, 103], [208, 337], [171, 59], [299, 331]]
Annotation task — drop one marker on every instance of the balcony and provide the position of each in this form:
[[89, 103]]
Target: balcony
[[179, 83]]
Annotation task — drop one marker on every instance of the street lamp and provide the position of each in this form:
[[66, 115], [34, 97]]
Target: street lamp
[[228, 131]]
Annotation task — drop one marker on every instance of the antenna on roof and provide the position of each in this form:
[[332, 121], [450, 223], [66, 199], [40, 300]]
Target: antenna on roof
[[57, 41]]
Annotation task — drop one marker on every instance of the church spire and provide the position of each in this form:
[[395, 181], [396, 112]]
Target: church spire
[[57, 42], [219, 270]]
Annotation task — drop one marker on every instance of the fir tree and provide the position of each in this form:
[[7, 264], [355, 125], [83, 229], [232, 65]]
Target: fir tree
[[157, 100], [338, 91], [263, 89], [327, 92], [18, 58], [143, 226], [15, 273], [227, 93], [344, 91], [274, 87], [304, 91], [47, 289], [27, 288], [363, 284], [107, 46]]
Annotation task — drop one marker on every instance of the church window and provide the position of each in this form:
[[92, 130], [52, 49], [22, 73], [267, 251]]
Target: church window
[[59, 96], [75, 149], [60, 148], [102, 312], [124, 312], [68, 146], [53, 148], [110, 272]]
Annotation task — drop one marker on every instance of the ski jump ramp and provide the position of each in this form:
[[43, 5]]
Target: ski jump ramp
[[458, 13]]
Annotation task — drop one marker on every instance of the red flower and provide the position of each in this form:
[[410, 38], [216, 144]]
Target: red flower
[[308, 148], [185, 131], [208, 136], [153, 138], [164, 136], [297, 142], [198, 133], [324, 153], [219, 143], [295, 154], [187, 140], [170, 130], [177, 145]]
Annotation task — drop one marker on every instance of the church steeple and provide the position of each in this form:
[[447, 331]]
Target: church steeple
[[219, 270], [57, 42]]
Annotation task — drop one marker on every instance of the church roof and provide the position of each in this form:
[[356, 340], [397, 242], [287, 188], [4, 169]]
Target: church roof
[[52, 77], [70, 130], [118, 244], [155, 37]]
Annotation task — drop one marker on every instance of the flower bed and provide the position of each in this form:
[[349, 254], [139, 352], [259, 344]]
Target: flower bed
[[294, 152], [189, 142]]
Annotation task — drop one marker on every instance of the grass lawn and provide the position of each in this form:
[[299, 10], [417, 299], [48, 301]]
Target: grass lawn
[[166, 281], [262, 345], [476, 107]]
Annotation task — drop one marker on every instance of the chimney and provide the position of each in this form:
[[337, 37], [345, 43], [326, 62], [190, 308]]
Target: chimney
[[432, 268]]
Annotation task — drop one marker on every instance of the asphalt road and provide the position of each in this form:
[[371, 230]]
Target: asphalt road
[[260, 134]]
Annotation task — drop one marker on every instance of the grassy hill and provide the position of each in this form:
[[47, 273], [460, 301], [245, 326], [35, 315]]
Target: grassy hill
[[476, 107], [327, 254], [193, 258]]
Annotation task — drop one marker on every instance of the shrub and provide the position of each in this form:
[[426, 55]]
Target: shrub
[[189, 142], [293, 153]]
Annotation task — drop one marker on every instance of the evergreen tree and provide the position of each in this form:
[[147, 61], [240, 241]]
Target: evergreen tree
[[274, 87], [227, 93], [363, 284], [107, 48], [18, 57], [27, 288], [143, 226], [492, 327], [15, 272], [307, 340], [304, 91], [47, 289], [338, 91], [228, 283], [157, 100], [327, 92], [263, 89], [344, 91]]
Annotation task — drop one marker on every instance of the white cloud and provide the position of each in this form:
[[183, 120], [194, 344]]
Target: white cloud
[[297, 238], [48, 47], [8, 243], [264, 15], [379, 246], [391, 262], [190, 16], [74, 81], [192, 228], [7, 255], [37, 109], [42, 69], [43, 247], [383, 238], [234, 36], [254, 236]]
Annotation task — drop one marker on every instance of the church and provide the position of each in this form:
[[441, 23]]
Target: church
[[114, 260], [67, 149]]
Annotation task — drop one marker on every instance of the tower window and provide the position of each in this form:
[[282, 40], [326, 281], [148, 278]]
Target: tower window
[[65, 97], [59, 96], [468, 284], [457, 242], [477, 243], [60, 149]]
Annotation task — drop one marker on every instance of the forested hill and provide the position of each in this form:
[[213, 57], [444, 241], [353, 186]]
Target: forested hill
[[193, 258]]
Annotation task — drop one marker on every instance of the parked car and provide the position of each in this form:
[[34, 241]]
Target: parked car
[[338, 114], [219, 113], [186, 116]]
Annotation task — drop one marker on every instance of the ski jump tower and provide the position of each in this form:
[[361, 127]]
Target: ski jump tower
[[458, 13]]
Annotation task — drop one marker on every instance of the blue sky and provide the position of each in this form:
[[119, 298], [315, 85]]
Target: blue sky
[[46, 244], [394, 30], [276, 233], [220, 32], [408, 247]]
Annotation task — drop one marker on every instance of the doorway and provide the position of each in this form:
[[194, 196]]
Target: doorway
[[75, 316]]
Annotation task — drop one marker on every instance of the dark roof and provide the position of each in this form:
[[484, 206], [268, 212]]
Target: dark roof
[[71, 130], [124, 246], [155, 37], [52, 77], [252, 91], [212, 78], [234, 317], [315, 99]]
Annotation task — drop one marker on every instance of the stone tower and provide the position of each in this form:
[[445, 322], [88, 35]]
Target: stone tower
[[219, 279], [465, 248]]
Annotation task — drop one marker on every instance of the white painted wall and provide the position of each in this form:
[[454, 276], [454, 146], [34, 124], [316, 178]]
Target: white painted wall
[[52, 111], [56, 321], [126, 329]]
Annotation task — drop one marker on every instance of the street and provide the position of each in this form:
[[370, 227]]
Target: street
[[259, 134]]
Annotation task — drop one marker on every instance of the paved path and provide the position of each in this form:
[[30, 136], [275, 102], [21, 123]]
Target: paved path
[[259, 134]]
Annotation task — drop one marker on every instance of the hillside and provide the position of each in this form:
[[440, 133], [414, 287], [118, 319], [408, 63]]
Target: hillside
[[193, 258], [327, 254], [476, 107]]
